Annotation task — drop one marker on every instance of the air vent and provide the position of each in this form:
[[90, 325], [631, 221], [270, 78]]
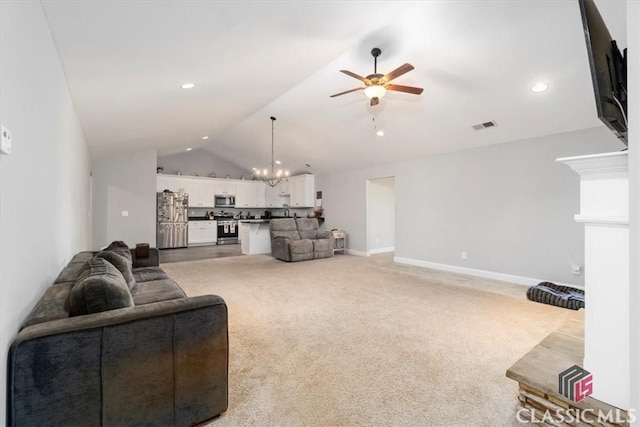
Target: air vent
[[485, 125]]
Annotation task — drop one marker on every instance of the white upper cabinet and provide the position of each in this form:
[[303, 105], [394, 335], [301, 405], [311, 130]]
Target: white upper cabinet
[[224, 187], [302, 191], [200, 193], [296, 192], [250, 194], [278, 196], [168, 182]]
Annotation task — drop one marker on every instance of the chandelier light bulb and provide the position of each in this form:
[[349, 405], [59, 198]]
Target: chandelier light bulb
[[264, 172], [286, 173]]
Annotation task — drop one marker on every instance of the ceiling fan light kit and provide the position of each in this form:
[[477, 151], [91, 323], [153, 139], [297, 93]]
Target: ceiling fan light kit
[[275, 177], [377, 85]]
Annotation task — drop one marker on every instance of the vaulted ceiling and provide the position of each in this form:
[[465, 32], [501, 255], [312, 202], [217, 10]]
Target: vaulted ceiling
[[476, 60]]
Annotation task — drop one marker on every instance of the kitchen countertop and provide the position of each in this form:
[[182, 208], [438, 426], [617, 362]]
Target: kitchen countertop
[[200, 218]]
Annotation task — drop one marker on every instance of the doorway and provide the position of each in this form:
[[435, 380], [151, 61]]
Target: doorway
[[381, 215]]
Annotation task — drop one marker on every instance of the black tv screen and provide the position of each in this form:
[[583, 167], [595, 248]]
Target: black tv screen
[[608, 71]]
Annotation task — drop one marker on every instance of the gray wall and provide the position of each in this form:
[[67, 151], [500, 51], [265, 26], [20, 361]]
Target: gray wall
[[381, 214], [509, 206], [44, 182], [201, 162], [125, 183]]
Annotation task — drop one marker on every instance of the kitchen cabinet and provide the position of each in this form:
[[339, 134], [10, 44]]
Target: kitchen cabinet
[[302, 191], [200, 191], [278, 196], [169, 182], [250, 194], [202, 233], [224, 187]]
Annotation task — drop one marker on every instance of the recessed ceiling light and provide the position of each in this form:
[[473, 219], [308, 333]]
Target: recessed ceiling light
[[188, 85], [254, 169], [278, 162], [539, 87], [189, 149], [205, 137], [380, 133]]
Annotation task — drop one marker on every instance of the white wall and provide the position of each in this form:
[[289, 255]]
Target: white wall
[[509, 206], [125, 183], [381, 215], [44, 183], [201, 162], [633, 71]]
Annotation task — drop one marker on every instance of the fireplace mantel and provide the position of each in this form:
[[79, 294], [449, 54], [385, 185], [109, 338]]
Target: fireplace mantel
[[604, 210]]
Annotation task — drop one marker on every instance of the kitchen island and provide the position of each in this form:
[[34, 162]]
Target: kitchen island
[[255, 237]]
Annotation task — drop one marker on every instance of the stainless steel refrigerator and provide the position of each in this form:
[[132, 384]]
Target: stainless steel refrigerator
[[172, 218]]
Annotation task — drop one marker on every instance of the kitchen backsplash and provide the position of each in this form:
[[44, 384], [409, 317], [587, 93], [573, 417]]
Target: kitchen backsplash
[[200, 212]]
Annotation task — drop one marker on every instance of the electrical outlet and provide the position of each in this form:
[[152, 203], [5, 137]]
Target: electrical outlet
[[463, 255], [576, 269]]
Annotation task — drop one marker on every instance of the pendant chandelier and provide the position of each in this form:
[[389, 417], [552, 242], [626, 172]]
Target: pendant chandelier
[[274, 177]]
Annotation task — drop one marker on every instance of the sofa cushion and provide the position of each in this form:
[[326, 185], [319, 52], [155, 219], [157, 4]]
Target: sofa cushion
[[70, 272], [157, 290], [307, 228], [301, 250], [322, 245], [123, 265], [100, 287], [147, 274], [121, 248], [284, 227]]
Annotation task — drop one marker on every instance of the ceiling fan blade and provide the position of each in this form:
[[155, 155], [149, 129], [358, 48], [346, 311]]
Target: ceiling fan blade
[[404, 68], [407, 89], [354, 75], [375, 101], [347, 91]]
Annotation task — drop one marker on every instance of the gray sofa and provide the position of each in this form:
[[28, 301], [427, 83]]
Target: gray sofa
[[146, 354], [299, 239]]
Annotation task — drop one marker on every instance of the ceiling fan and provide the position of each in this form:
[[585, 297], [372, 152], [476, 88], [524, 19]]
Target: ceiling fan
[[376, 85]]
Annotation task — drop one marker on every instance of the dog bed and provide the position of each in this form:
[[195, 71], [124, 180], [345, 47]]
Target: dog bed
[[560, 296]]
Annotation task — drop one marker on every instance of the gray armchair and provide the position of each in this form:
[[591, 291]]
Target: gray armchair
[[299, 240]]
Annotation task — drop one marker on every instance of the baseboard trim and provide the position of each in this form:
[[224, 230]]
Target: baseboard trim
[[382, 250], [519, 280], [357, 253]]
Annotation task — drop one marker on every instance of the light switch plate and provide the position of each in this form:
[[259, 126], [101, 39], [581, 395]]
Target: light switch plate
[[5, 144], [125, 213]]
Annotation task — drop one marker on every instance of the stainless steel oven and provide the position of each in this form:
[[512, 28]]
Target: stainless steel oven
[[227, 231]]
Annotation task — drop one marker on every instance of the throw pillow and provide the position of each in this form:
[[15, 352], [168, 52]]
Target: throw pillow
[[123, 265], [120, 248], [100, 287]]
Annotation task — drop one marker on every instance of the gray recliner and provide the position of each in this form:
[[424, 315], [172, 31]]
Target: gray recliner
[[299, 239]]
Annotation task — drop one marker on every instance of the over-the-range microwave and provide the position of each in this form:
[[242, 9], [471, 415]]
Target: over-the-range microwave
[[225, 201]]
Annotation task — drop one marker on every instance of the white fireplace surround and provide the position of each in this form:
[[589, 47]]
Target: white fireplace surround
[[604, 210]]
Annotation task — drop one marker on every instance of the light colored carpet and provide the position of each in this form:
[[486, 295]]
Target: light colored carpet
[[352, 341]]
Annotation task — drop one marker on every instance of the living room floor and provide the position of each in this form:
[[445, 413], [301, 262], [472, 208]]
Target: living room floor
[[199, 252], [351, 340]]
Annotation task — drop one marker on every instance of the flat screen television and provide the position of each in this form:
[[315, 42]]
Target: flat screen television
[[608, 71]]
